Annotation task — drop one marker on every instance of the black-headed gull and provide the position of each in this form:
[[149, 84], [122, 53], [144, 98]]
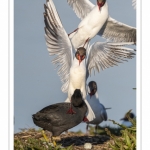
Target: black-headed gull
[[125, 120], [74, 69], [97, 107], [97, 21], [73, 66]]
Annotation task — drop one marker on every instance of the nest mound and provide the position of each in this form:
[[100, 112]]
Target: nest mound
[[77, 140]]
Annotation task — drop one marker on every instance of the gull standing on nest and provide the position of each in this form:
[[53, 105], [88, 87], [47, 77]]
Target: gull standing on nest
[[97, 107]]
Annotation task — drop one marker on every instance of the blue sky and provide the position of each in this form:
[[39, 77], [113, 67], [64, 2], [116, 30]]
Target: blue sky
[[36, 83]]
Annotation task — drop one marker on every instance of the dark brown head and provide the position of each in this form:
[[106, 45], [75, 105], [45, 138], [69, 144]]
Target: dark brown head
[[76, 98], [93, 88], [101, 3], [80, 54], [131, 115]]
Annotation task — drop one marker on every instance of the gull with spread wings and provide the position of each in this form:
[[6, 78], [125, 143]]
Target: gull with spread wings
[[75, 67], [95, 20]]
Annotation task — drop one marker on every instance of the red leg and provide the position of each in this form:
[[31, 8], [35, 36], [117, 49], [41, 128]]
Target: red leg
[[85, 119], [86, 42], [73, 31], [71, 111]]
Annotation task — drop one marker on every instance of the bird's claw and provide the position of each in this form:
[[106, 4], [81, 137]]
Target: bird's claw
[[71, 111], [85, 119]]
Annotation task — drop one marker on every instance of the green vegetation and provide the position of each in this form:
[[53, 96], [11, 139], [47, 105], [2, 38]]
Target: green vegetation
[[35, 144], [127, 140], [121, 138], [101, 130], [32, 139]]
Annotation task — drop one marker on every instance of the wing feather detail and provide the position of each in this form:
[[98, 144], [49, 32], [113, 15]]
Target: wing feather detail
[[117, 31], [81, 7], [134, 4], [107, 54], [58, 43]]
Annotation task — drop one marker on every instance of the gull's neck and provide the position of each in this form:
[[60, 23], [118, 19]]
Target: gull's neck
[[76, 62], [96, 95], [105, 5]]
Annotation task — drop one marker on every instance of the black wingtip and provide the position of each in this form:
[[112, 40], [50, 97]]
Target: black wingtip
[[45, 7], [45, 15], [108, 108]]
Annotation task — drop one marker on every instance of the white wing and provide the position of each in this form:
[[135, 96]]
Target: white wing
[[134, 4], [90, 114], [81, 7], [105, 55], [117, 31], [58, 43]]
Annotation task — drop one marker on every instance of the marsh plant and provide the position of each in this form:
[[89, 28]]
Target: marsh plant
[[127, 140]]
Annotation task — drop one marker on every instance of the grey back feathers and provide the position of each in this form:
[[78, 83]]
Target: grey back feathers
[[103, 113], [117, 31]]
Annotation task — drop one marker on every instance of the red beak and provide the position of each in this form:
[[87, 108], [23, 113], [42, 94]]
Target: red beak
[[99, 6], [92, 93], [80, 59]]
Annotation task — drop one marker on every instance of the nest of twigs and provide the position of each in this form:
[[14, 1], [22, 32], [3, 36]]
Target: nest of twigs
[[75, 140]]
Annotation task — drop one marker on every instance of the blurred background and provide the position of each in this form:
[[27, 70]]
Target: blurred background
[[36, 83]]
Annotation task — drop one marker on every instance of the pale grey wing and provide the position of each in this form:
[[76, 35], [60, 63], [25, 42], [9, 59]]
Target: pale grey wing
[[108, 54], [103, 113], [81, 7], [58, 43], [117, 31], [134, 4]]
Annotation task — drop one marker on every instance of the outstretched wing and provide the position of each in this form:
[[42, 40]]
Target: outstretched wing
[[81, 7], [134, 4], [105, 55], [117, 31], [58, 43]]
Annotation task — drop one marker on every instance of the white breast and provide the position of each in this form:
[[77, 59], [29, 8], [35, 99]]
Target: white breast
[[77, 77], [96, 107], [90, 25]]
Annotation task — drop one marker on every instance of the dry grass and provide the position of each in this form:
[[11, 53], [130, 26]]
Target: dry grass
[[31, 139], [107, 139]]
